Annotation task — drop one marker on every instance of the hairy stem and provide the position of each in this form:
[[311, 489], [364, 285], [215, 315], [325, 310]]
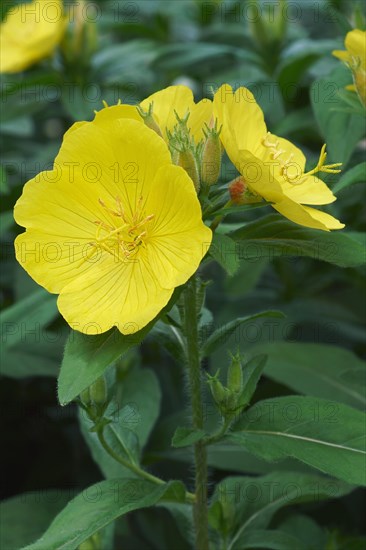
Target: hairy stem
[[200, 514], [136, 469]]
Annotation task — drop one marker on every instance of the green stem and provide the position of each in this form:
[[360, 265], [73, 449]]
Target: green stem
[[219, 434], [136, 469], [200, 514]]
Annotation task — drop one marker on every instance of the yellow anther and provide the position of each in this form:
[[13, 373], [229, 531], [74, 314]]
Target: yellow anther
[[277, 153], [122, 237]]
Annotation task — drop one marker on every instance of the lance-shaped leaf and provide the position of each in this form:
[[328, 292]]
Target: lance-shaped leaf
[[99, 505], [222, 334], [273, 236], [324, 434], [248, 504]]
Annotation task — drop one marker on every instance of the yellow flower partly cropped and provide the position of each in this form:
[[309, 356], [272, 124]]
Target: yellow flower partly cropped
[[30, 33], [355, 57], [178, 100], [271, 167], [113, 228]]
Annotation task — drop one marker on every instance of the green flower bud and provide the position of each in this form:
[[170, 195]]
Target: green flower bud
[[98, 392], [235, 374], [218, 391], [211, 156], [188, 162]]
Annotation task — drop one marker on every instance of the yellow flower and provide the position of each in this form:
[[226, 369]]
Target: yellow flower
[[272, 167], [30, 33], [355, 57], [113, 228]]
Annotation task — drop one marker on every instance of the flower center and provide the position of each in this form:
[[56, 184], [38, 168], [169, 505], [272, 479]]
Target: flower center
[[297, 176], [126, 235]]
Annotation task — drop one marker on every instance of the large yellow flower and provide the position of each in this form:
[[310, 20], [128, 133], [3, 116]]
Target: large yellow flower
[[272, 167], [30, 33], [113, 228], [355, 57]]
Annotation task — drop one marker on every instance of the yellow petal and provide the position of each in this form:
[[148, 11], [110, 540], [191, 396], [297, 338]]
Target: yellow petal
[[125, 295], [53, 261], [200, 114], [167, 102], [179, 238], [259, 175], [242, 120], [341, 54], [108, 115], [306, 216], [355, 43], [311, 190]]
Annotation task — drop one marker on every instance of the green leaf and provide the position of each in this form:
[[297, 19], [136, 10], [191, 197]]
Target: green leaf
[[252, 372], [318, 370], [271, 539], [25, 517], [326, 435], [306, 529], [185, 437], [273, 236], [333, 123], [28, 349], [298, 57], [249, 503], [86, 357], [357, 174], [38, 358], [24, 320], [223, 250], [221, 335], [100, 504]]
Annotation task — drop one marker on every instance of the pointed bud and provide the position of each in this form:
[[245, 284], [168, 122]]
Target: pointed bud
[[218, 391], [98, 392], [211, 156], [235, 374], [148, 118], [188, 162]]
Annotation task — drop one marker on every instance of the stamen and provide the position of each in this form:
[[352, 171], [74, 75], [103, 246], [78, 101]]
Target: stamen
[[122, 237]]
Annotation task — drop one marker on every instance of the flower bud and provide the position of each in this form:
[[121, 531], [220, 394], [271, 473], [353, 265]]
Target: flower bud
[[188, 162], [359, 78], [211, 156], [235, 374], [240, 192], [81, 39], [98, 392], [218, 391]]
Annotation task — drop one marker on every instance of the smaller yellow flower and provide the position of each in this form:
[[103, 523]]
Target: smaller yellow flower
[[30, 33], [114, 227], [179, 100], [271, 167], [355, 58]]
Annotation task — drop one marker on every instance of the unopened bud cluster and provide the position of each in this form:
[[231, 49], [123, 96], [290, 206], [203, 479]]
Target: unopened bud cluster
[[229, 398], [202, 160]]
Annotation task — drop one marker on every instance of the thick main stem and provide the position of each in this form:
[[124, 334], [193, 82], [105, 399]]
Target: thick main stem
[[194, 372]]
